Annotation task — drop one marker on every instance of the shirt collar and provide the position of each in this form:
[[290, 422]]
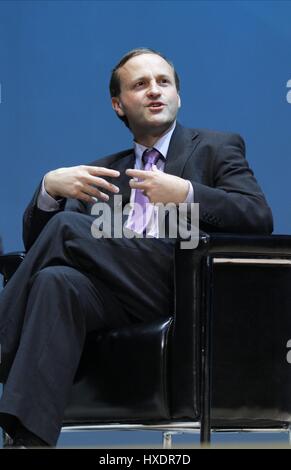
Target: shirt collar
[[162, 145]]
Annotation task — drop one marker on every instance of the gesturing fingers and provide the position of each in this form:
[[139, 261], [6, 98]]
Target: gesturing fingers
[[137, 184], [101, 171], [102, 183], [142, 174], [90, 184]]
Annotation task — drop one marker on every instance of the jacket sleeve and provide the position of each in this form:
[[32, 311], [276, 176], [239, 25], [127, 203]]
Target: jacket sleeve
[[35, 219], [232, 200]]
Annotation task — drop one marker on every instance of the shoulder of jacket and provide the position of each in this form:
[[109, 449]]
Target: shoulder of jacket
[[216, 135]]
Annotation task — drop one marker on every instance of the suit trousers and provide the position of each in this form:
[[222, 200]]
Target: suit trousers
[[70, 284]]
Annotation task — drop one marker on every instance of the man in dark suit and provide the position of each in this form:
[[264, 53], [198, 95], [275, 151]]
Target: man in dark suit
[[71, 283]]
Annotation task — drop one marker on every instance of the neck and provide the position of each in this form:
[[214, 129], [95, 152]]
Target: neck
[[149, 139]]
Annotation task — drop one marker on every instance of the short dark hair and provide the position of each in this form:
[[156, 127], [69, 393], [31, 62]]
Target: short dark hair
[[114, 85]]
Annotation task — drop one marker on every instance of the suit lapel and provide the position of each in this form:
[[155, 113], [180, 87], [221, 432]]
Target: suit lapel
[[122, 182], [182, 145]]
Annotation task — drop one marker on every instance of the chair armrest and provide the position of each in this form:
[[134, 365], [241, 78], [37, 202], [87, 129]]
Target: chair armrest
[[186, 331], [248, 245], [193, 287], [9, 263], [193, 268]]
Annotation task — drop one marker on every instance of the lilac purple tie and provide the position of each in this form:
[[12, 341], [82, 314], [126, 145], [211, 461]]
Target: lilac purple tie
[[141, 215]]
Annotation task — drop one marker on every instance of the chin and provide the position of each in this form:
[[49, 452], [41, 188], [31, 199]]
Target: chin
[[161, 123], [159, 120]]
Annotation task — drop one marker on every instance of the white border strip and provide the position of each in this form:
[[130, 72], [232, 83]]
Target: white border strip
[[278, 261]]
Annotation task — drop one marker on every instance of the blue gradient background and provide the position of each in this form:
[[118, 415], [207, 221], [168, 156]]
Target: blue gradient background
[[233, 58]]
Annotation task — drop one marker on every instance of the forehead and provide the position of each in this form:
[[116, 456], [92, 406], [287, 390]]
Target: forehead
[[144, 65]]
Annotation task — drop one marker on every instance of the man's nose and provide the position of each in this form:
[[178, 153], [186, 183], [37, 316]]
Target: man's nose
[[154, 90]]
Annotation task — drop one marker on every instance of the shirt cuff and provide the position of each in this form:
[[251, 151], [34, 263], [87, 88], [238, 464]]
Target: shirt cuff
[[190, 195], [45, 202]]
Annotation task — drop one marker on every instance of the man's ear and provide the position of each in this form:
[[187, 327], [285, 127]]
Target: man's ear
[[117, 106], [179, 101]]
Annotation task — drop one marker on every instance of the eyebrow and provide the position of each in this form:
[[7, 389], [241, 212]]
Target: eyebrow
[[162, 75]]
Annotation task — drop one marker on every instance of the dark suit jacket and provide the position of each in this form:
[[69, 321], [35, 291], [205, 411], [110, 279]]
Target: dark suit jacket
[[224, 185]]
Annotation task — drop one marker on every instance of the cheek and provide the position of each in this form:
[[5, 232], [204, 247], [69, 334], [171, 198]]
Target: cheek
[[132, 106]]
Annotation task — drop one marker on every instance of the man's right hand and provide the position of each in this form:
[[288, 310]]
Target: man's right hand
[[80, 182]]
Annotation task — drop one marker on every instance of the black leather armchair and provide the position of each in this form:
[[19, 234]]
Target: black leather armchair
[[220, 362]]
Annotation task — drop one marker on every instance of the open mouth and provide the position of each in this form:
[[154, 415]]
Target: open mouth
[[156, 106]]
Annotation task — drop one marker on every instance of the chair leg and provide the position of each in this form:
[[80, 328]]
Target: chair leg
[[167, 440], [206, 359]]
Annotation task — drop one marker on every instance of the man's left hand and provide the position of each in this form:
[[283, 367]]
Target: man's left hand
[[159, 186]]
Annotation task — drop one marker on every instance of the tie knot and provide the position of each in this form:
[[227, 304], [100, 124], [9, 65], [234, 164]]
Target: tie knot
[[150, 158]]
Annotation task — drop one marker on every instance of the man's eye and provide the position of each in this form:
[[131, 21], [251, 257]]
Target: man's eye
[[164, 81], [139, 84]]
